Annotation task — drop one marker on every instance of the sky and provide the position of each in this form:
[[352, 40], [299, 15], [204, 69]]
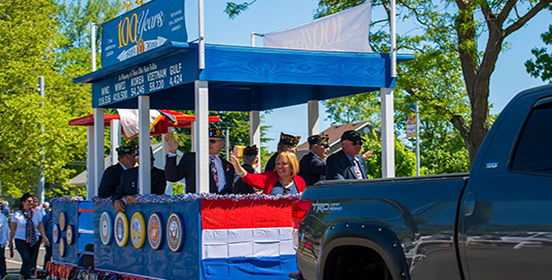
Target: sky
[[266, 16]]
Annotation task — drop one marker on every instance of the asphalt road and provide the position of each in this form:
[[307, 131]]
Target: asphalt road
[[14, 264]]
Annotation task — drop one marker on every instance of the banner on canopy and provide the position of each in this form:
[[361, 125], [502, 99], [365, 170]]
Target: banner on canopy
[[143, 29], [344, 31]]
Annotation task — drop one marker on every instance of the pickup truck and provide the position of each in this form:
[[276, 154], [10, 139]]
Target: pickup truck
[[493, 223]]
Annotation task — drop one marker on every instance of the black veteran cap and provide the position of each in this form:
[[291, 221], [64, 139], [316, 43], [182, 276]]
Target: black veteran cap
[[216, 133], [351, 135], [121, 151], [251, 151], [138, 151], [319, 139], [289, 140]]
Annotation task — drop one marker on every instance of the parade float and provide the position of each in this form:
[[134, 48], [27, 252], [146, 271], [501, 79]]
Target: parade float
[[195, 236]]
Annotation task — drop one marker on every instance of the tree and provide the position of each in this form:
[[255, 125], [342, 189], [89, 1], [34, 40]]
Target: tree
[[41, 38], [458, 26], [542, 65]]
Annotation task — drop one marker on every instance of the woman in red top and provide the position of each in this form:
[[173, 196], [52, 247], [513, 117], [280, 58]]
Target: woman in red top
[[282, 181]]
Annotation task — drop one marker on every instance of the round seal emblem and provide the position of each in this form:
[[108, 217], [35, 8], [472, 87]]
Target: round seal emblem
[[62, 220], [175, 232], [155, 231], [62, 247], [138, 230], [121, 229], [70, 234], [55, 233], [106, 228]]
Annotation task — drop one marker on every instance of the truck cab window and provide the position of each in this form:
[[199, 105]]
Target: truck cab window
[[534, 148]]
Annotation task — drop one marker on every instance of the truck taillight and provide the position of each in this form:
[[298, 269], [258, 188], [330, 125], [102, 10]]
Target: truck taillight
[[299, 210]]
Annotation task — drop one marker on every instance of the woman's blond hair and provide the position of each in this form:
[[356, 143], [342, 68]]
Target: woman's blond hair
[[292, 159]]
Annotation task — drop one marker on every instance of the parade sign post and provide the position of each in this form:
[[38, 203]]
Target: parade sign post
[[143, 29]]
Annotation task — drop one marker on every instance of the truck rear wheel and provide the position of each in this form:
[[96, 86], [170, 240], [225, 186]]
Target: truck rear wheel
[[355, 262]]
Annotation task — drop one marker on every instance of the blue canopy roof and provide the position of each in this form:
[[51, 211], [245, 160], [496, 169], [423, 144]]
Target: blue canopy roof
[[240, 78]]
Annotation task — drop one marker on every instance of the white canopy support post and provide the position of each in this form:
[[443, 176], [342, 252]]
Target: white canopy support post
[[115, 139], [314, 117], [93, 45], [90, 164], [393, 31], [252, 38], [193, 130], [201, 26], [227, 144], [98, 148], [144, 180], [41, 182], [387, 134], [201, 96], [255, 132], [169, 187]]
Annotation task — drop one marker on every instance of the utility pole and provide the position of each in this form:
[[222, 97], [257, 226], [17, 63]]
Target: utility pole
[[40, 188]]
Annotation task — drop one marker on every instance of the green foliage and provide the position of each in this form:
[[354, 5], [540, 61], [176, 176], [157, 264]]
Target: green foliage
[[405, 159], [42, 38], [234, 9], [542, 65]]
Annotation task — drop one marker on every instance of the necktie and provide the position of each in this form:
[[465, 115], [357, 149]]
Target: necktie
[[214, 170], [357, 168], [30, 231]]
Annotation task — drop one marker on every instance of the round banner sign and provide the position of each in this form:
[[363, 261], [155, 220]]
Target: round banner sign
[[121, 229], [62, 247], [106, 228], [138, 230], [175, 232], [55, 233], [70, 234], [155, 231], [62, 220]]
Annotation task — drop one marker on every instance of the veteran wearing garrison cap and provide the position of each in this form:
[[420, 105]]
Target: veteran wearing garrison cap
[[347, 163], [250, 160], [287, 143], [222, 171], [111, 177], [130, 183], [312, 167]]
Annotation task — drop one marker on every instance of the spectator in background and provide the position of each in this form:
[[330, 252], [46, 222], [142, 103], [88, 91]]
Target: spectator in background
[[46, 206], [287, 143], [5, 209], [48, 225], [39, 211], [24, 227], [4, 235]]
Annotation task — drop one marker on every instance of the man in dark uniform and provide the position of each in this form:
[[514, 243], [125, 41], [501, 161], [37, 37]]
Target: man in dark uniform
[[111, 177], [129, 184], [250, 160], [312, 167], [287, 143], [347, 163], [222, 171]]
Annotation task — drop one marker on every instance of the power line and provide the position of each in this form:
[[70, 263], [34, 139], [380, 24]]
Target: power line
[[16, 89]]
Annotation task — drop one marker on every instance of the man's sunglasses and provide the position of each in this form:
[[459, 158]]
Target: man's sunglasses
[[359, 142], [212, 141]]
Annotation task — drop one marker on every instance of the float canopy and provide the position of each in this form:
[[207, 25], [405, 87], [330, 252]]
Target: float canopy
[[239, 78]]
